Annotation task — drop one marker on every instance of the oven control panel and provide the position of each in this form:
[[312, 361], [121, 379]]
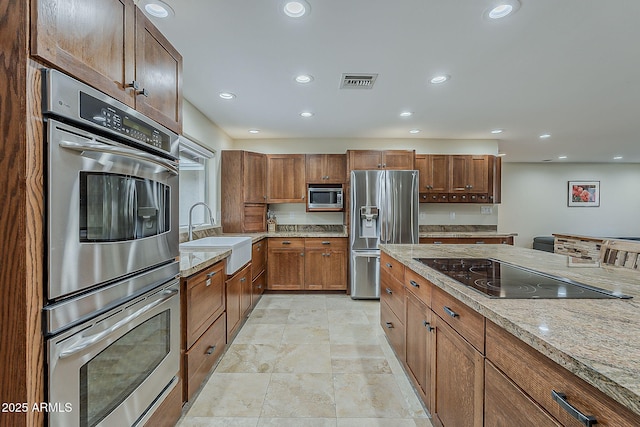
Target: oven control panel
[[116, 120]]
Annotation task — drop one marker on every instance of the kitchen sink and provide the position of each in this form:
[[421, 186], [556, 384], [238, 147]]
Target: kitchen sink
[[240, 249]]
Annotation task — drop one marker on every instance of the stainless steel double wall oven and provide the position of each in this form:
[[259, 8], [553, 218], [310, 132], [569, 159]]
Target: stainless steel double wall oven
[[113, 309]]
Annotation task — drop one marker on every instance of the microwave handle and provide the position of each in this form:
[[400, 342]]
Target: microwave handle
[[91, 340], [94, 146]]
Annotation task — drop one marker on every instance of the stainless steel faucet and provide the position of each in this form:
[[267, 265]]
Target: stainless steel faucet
[[211, 220]]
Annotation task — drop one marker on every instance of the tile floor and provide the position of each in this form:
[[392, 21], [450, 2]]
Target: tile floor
[[306, 360]]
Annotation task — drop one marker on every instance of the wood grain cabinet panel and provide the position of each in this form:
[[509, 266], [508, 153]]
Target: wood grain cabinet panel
[[398, 159], [434, 172], [203, 355], [467, 322], [205, 301], [392, 293], [112, 46], [394, 330], [326, 263], [244, 191], [537, 376], [520, 411], [386, 159], [286, 178], [459, 380], [285, 264], [326, 168], [238, 293], [469, 174], [158, 74], [507, 240], [420, 340]]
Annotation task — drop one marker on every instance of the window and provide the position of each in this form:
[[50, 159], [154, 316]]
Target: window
[[195, 182]]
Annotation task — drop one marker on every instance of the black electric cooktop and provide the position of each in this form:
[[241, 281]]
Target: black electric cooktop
[[499, 279]]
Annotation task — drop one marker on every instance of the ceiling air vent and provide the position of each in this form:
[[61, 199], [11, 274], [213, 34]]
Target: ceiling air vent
[[358, 81]]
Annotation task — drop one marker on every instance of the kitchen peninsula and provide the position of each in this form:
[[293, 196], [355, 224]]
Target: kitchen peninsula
[[515, 350]]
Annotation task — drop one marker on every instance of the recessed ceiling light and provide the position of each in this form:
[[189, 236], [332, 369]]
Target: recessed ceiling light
[[414, 131], [158, 8], [502, 9], [406, 114], [306, 114], [562, 157], [617, 158], [304, 78], [440, 79], [545, 136], [296, 8], [254, 130], [226, 95], [497, 131]]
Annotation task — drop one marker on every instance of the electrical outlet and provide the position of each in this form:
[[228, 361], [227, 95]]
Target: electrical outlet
[[452, 215], [486, 210]]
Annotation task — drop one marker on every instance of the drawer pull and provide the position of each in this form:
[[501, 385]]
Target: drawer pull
[[286, 242], [326, 242], [389, 291], [436, 242], [450, 312], [243, 279], [389, 325], [389, 265], [480, 242], [414, 284], [210, 275], [211, 349], [561, 398]]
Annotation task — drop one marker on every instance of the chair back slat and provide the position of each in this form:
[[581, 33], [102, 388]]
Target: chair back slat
[[620, 253]]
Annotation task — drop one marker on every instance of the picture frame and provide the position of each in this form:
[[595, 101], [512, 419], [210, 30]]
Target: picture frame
[[584, 194]]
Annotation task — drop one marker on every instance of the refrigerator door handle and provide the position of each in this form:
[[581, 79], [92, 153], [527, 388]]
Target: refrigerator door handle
[[384, 211]]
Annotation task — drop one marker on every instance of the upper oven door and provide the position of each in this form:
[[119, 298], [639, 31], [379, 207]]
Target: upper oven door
[[112, 210]]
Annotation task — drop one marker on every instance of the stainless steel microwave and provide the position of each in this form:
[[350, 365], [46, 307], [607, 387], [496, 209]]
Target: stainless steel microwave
[[324, 198]]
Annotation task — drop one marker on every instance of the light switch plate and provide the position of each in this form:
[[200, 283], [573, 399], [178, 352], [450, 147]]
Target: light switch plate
[[486, 210]]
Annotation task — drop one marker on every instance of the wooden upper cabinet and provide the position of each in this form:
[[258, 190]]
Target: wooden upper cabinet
[[434, 172], [158, 75], [469, 174], [375, 159], [286, 178], [110, 44], [255, 177], [326, 168]]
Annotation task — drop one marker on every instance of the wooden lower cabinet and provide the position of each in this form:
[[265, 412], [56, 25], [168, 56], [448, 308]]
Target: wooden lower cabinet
[[238, 302], [203, 320], [307, 264], [394, 329], [459, 380], [420, 344], [285, 264], [169, 411], [506, 405], [258, 273]]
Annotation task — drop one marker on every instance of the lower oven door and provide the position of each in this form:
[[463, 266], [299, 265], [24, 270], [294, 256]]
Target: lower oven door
[[114, 369]]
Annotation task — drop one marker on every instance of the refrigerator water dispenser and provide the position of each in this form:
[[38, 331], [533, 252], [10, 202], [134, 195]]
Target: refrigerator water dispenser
[[368, 222]]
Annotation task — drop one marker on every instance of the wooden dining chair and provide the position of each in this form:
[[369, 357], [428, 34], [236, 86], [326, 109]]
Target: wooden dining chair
[[620, 253]]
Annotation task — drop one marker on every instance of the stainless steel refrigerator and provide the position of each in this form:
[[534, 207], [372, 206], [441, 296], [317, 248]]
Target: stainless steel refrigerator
[[384, 209]]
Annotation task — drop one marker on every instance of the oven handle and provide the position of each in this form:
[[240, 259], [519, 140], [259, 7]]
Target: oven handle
[[95, 146], [91, 340]]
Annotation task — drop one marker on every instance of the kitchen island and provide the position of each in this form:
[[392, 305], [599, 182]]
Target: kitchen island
[[596, 340]]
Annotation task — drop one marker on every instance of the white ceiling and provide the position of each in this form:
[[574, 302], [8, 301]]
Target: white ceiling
[[570, 68]]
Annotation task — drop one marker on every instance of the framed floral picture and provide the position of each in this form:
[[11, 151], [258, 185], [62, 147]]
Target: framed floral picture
[[584, 193]]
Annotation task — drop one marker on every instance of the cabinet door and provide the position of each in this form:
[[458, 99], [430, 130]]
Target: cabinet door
[[314, 168], [234, 292], [245, 293], [398, 159], [365, 159], [286, 178], [258, 257], [335, 168], [459, 379], [255, 177], [285, 264], [204, 301], [419, 346], [314, 268], [336, 270], [478, 174], [458, 174], [434, 172], [259, 285], [469, 174], [158, 74], [326, 263], [92, 40]]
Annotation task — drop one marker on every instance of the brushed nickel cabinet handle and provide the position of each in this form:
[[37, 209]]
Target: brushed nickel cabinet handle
[[561, 399], [389, 265], [326, 242], [213, 273], [389, 325], [286, 242], [450, 312], [389, 291], [414, 284], [211, 349]]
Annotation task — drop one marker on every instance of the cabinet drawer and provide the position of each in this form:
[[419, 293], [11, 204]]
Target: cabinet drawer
[[328, 243], [538, 376], [393, 328], [468, 323], [258, 258], [281, 242], [204, 301], [392, 293], [393, 267], [418, 285], [199, 360]]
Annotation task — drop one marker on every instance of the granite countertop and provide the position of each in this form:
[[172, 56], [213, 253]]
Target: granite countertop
[[597, 339], [193, 262], [481, 234]]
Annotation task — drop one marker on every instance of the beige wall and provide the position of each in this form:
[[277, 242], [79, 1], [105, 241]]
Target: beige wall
[[535, 195]]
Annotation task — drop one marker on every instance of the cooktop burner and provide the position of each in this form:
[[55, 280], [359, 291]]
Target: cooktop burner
[[499, 279]]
